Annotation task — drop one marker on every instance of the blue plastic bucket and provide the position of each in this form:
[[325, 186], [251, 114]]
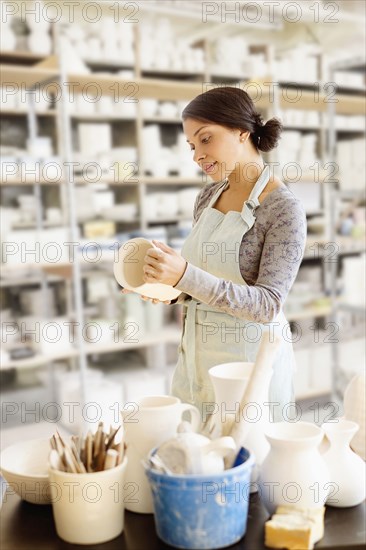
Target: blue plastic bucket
[[199, 511]]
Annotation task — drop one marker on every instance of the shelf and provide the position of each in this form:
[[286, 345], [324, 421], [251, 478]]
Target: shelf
[[101, 117], [33, 224], [105, 63], [25, 281], [170, 334], [108, 181], [298, 84], [357, 63], [351, 308], [344, 88], [156, 73], [309, 176], [303, 127], [173, 219], [21, 112], [25, 183], [161, 119], [172, 180], [148, 180], [308, 313], [344, 104], [137, 89], [20, 57], [27, 76], [350, 131]]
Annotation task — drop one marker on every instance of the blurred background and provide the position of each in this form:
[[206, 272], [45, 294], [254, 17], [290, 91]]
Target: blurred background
[[93, 154]]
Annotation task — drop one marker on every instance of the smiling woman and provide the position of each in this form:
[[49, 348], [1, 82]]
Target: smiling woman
[[242, 256], [244, 251]]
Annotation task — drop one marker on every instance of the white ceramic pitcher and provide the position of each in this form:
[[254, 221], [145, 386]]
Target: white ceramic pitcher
[[294, 472], [149, 423]]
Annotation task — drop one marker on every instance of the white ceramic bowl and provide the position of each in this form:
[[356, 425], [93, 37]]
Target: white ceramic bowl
[[128, 270], [25, 467]]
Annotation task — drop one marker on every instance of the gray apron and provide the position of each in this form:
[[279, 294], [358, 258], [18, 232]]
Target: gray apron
[[210, 336]]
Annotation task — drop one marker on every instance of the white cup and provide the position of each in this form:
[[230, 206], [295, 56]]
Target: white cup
[[88, 508]]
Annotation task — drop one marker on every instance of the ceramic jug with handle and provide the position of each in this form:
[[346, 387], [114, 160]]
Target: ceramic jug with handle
[[148, 423]]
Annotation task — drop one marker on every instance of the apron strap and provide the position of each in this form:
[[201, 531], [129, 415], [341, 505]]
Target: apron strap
[[252, 203], [191, 342], [215, 196]]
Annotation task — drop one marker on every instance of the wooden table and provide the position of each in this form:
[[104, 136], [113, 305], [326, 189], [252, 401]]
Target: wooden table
[[27, 526]]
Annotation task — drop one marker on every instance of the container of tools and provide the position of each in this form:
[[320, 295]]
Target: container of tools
[[86, 481]]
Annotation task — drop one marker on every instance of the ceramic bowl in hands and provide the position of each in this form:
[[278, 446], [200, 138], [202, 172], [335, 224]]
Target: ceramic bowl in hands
[[128, 270], [25, 468]]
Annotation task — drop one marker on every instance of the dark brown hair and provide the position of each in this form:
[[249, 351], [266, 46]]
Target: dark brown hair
[[233, 108]]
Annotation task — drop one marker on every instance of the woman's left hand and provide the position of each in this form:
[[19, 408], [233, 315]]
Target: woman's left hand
[[163, 265]]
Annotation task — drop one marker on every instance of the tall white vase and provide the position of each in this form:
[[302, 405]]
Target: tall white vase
[[355, 410], [294, 472], [230, 381], [346, 468]]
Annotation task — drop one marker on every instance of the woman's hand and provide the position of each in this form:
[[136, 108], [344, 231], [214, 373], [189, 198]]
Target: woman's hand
[[163, 265], [145, 298]]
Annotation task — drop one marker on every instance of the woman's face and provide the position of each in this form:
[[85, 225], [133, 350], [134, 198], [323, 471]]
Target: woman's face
[[216, 149]]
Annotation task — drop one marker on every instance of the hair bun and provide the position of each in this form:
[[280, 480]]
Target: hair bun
[[269, 134]]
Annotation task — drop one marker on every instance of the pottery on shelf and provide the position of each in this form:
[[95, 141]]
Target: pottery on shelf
[[294, 472], [346, 468], [40, 42]]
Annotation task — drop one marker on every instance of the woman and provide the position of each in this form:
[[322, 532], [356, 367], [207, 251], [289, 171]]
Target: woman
[[242, 256]]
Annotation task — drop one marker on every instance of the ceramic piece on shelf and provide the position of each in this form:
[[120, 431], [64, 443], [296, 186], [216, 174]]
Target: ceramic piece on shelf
[[40, 147], [38, 16], [154, 317], [54, 215], [186, 200], [355, 409], [40, 42], [72, 59], [128, 270], [7, 38], [94, 138], [82, 105], [105, 105], [167, 204], [294, 467], [167, 109], [149, 107], [120, 212], [94, 48], [346, 468], [147, 424]]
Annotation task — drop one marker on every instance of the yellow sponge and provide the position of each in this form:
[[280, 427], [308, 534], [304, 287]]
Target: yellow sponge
[[293, 532], [314, 514]]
